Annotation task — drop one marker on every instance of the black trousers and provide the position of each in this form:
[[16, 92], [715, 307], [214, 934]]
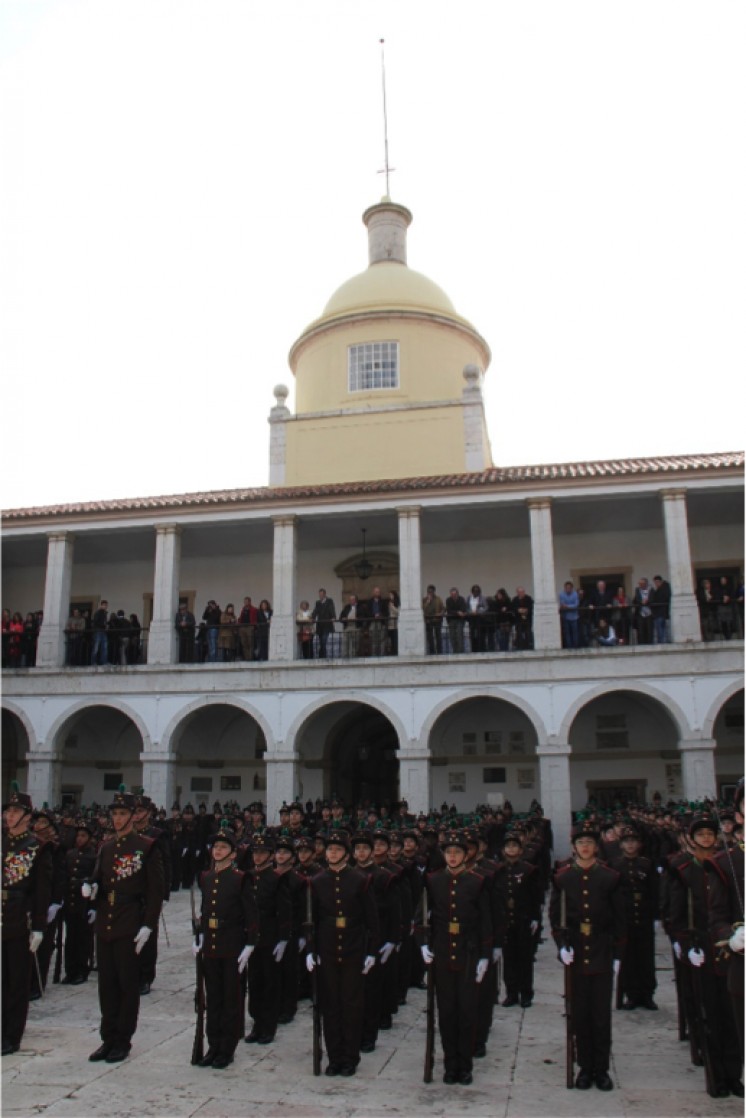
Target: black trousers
[[16, 986], [715, 1025], [78, 944], [341, 987], [223, 989], [44, 957], [264, 991], [148, 958], [518, 961], [118, 989], [486, 991], [457, 996], [638, 965], [289, 977], [372, 1002], [591, 1019]]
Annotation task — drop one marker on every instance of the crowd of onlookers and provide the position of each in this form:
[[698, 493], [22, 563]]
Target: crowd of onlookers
[[598, 617]]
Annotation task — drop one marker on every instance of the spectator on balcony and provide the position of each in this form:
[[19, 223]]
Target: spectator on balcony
[[620, 615], [585, 629], [568, 604], [377, 610], [211, 618], [476, 613], [28, 641], [99, 627], [394, 606], [304, 622], [324, 614], [264, 618], [15, 632], [433, 609], [605, 636], [739, 606], [660, 604], [227, 634], [186, 625], [523, 609], [75, 630], [119, 629], [708, 608], [6, 637], [247, 623], [502, 608], [351, 617], [599, 601], [725, 611], [135, 635], [643, 612], [455, 617]]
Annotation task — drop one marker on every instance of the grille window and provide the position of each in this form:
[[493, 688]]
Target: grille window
[[373, 365]]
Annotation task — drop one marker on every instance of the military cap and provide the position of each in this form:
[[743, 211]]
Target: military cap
[[225, 834], [586, 829], [513, 835], [701, 821], [338, 837], [285, 842], [304, 842], [630, 833], [123, 799], [19, 799], [457, 838], [364, 837], [262, 842], [381, 835], [141, 800]]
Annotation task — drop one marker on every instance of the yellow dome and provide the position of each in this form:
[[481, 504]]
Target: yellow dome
[[388, 284]]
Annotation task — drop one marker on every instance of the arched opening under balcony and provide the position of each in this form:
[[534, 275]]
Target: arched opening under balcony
[[220, 752], [349, 750], [99, 748], [15, 744], [728, 735]]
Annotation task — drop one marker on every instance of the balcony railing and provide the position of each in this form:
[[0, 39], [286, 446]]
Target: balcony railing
[[223, 644], [339, 640], [113, 648]]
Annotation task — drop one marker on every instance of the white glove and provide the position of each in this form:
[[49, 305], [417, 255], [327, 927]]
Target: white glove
[[427, 955], [196, 853], [141, 939], [301, 944], [184, 851], [567, 955], [385, 952], [657, 925], [243, 958], [311, 962], [677, 950], [279, 950], [89, 891], [736, 940], [52, 912], [616, 966], [534, 926], [34, 940], [197, 945], [696, 956], [497, 953], [368, 963], [482, 969], [91, 915]]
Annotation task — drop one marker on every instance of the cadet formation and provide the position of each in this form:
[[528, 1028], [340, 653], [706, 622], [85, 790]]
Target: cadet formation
[[353, 909]]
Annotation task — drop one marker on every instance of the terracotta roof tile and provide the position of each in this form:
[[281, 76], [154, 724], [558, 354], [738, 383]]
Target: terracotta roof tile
[[495, 476]]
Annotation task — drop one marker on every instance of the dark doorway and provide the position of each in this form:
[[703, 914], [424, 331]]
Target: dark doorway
[[608, 796], [364, 767]]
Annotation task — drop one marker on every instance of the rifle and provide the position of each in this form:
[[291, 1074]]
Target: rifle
[[198, 1047], [58, 949], [680, 1007], [430, 1012], [310, 944], [619, 986], [569, 1035], [699, 1016]]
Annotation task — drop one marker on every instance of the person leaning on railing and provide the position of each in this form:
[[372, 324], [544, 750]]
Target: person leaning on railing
[[305, 630], [432, 608], [568, 604], [75, 630]]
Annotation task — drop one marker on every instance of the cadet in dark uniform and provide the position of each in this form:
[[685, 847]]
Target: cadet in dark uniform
[[639, 886], [519, 884], [725, 912], [143, 824], [228, 929], [274, 912], [127, 890], [45, 829], [27, 883], [189, 847], [586, 912], [460, 947], [174, 828], [346, 941], [289, 965], [77, 914], [382, 883]]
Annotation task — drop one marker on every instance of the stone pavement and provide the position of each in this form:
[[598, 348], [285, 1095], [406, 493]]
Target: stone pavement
[[522, 1076]]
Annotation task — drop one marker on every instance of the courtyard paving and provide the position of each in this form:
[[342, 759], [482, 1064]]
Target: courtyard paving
[[522, 1076]]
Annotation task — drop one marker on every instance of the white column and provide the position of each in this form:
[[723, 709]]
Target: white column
[[282, 780], [698, 768], [159, 777], [546, 610], [282, 638], [44, 778], [554, 795], [685, 624], [411, 622], [162, 639], [51, 646], [414, 778], [278, 418]]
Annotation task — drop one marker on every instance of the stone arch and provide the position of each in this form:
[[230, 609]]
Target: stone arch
[[83, 705], [634, 686], [23, 718], [17, 738], [727, 693], [498, 693], [176, 722], [300, 721]]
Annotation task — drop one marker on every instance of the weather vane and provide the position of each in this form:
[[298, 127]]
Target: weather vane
[[386, 170]]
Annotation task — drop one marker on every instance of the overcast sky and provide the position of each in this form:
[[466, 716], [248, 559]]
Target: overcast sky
[[181, 192]]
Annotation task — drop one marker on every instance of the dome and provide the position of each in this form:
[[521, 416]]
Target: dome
[[388, 285]]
